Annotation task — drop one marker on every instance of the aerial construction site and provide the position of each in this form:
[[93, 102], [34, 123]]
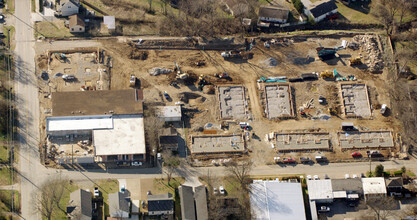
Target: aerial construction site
[[260, 97]]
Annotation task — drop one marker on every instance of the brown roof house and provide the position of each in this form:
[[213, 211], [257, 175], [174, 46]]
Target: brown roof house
[[76, 24], [273, 14]]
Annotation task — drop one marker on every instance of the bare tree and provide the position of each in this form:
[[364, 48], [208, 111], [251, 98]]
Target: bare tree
[[240, 171], [153, 127], [381, 207], [171, 162], [46, 200]]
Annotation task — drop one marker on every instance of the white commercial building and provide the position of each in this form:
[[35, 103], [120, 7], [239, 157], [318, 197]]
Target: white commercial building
[[320, 191], [276, 200]]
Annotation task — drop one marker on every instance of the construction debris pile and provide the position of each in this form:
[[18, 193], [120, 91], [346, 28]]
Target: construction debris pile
[[270, 62], [372, 52], [158, 70]]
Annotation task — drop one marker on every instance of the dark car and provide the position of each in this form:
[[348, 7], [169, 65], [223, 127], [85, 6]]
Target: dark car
[[305, 160]]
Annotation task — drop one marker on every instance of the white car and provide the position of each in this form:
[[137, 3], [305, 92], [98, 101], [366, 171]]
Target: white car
[[324, 209], [347, 176], [316, 177], [308, 177], [354, 176], [96, 192], [222, 191], [136, 163]]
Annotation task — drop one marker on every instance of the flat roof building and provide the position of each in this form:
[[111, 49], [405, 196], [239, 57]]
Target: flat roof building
[[169, 113], [276, 200], [320, 191], [217, 144], [286, 142], [374, 187], [113, 119]]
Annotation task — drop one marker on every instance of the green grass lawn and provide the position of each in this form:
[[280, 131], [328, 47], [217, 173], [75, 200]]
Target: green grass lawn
[[6, 201], [10, 6], [355, 13], [5, 176], [4, 155], [52, 29], [69, 188]]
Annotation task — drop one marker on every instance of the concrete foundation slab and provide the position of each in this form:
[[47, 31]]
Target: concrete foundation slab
[[278, 101], [232, 101], [217, 144], [355, 100], [302, 141], [368, 139]]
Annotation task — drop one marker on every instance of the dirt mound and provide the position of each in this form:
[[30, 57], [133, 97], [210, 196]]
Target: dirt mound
[[42, 62], [137, 54]]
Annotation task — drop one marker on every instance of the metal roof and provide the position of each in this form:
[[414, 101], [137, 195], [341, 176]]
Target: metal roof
[[320, 189]]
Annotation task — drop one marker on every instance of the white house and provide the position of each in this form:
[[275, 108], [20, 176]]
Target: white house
[[320, 191], [68, 7], [321, 9], [273, 13]]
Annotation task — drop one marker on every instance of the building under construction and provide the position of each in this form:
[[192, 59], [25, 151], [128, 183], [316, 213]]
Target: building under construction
[[355, 101], [218, 145], [366, 139], [278, 101], [288, 142]]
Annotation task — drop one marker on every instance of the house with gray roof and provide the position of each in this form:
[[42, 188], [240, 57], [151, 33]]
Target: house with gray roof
[[80, 205], [273, 14], [347, 188], [320, 10], [67, 7], [161, 205], [193, 202], [119, 205]]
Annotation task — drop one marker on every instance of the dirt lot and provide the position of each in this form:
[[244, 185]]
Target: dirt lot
[[291, 57]]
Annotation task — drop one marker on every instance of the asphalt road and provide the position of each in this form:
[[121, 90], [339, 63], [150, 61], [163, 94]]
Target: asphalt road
[[30, 170]]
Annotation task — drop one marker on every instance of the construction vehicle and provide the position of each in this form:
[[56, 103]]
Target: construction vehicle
[[231, 54], [327, 74], [328, 53], [180, 74], [355, 61], [61, 57], [222, 75], [333, 111], [132, 82]]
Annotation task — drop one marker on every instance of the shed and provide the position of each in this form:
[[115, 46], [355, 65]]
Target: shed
[[110, 22]]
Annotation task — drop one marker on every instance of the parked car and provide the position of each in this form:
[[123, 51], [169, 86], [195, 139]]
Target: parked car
[[215, 191], [288, 160], [356, 154], [96, 192], [308, 177], [383, 109], [326, 177], [347, 176], [136, 163], [324, 209], [166, 95], [316, 177], [222, 191], [354, 176], [321, 159], [123, 189], [305, 160]]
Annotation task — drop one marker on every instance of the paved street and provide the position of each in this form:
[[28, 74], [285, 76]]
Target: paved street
[[26, 91]]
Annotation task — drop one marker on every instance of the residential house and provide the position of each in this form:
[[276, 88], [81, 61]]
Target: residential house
[[119, 205], [76, 24], [112, 119], [374, 187], [68, 7], [161, 205], [80, 205], [321, 9], [170, 113], [271, 200], [394, 185], [168, 139], [273, 14], [193, 202]]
